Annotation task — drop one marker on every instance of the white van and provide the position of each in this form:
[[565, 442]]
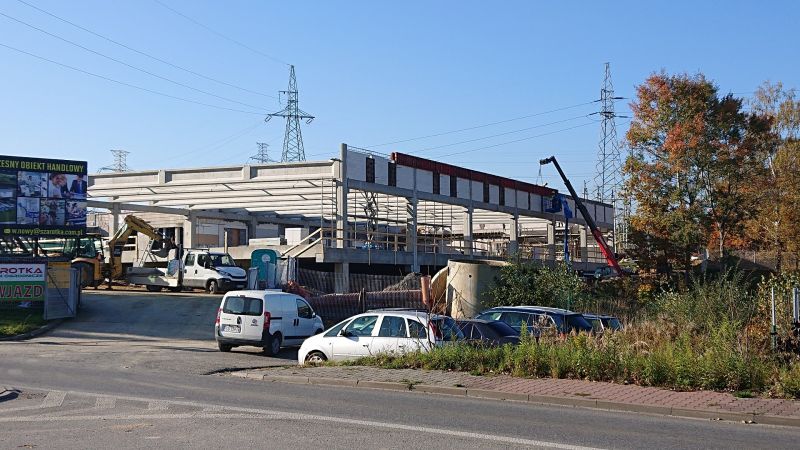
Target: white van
[[267, 319], [214, 272]]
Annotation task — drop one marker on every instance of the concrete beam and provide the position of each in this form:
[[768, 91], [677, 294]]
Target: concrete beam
[[425, 196]]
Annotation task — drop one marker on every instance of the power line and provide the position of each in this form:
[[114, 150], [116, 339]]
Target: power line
[[218, 143], [293, 138], [483, 126], [500, 134], [155, 58], [259, 52], [102, 77], [262, 155], [120, 162], [514, 141], [126, 64]]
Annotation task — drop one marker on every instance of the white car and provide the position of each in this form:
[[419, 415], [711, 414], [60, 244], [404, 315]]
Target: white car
[[267, 319], [379, 331]]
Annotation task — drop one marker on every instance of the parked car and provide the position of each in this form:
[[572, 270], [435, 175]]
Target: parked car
[[601, 323], [267, 319], [379, 331], [538, 319], [488, 332]]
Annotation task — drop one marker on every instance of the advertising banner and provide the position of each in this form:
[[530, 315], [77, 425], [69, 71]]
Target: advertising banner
[[22, 282], [42, 197]]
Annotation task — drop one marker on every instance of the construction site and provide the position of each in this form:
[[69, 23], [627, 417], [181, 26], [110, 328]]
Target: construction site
[[360, 213]]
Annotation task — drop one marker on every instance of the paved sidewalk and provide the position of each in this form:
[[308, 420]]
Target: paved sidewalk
[[611, 396]]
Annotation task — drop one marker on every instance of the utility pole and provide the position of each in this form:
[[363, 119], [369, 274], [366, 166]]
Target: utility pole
[[262, 156], [608, 181], [293, 138], [120, 162]]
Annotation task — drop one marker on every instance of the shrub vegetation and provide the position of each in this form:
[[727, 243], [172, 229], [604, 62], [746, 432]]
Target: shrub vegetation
[[708, 334]]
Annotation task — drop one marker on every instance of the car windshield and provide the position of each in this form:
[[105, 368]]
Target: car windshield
[[448, 329], [334, 331], [245, 306], [597, 325], [578, 323], [612, 323], [502, 328], [221, 260]]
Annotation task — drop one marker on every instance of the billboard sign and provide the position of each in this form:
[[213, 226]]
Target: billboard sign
[[22, 282], [42, 197]]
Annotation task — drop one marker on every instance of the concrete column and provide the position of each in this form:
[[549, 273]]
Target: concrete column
[[190, 231], [513, 235], [551, 241], [341, 199], [252, 229], [114, 227], [412, 233], [584, 246], [469, 250], [342, 278]]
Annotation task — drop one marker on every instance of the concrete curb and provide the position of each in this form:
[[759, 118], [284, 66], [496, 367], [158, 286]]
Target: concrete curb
[[33, 333], [606, 405]]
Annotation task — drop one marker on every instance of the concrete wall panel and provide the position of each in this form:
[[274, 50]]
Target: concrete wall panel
[[463, 188], [405, 177]]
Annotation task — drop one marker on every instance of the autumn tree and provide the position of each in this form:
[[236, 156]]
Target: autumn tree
[[694, 156], [777, 226]]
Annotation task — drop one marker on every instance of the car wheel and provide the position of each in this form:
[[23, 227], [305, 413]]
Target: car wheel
[[315, 357], [175, 289], [319, 330], [212, 287], [225, 348], [151, 288], [274, 345]]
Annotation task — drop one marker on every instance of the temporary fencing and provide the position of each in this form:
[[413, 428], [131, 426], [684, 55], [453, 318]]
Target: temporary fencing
[[336, 307]]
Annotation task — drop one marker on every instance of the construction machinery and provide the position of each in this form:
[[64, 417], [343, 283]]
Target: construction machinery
[[85, 253], [598, 236]]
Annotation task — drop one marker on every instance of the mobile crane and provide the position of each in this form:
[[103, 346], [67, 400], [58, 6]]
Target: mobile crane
[[598, 236]]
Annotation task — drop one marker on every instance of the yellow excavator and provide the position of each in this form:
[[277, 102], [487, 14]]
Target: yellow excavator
[[113, 269], [87, 255]]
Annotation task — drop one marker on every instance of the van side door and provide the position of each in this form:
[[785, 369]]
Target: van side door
[[189, 269], [304, 323]]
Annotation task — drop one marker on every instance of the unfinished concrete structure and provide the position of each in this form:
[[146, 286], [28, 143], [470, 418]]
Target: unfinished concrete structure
[[394, 213]]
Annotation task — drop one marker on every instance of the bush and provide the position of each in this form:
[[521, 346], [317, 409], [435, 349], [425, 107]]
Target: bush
[[533, 283], [789, 381]]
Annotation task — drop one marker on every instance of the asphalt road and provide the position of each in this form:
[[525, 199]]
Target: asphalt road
[[141, 371]]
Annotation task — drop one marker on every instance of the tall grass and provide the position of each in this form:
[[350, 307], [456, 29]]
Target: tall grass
[[646, 355], [710, 334]]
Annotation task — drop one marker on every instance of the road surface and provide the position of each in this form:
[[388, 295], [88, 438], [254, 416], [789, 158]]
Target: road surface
[[140, 370]]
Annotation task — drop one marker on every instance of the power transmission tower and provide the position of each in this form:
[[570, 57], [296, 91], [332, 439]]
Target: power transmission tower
[[120, 162], [293, 139], [262, 156], [608, 181]]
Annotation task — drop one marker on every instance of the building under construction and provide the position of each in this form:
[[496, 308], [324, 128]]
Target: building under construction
[[361, 212]]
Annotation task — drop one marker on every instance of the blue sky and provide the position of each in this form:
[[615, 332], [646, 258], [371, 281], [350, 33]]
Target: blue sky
[[371, 72]]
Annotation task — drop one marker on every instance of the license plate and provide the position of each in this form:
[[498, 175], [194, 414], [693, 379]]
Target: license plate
[[232, 328]]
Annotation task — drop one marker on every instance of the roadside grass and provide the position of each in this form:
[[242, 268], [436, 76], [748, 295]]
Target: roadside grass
[[706, 334], [685, 363], [16, 320]]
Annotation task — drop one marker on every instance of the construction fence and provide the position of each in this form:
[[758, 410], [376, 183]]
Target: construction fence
[[319, 283], [334, 308]]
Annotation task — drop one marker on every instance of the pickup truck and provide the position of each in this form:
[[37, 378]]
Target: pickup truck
[[214, 272]]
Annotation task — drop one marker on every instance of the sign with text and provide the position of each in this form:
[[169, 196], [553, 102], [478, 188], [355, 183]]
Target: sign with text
[[42, 197], [22, 282]]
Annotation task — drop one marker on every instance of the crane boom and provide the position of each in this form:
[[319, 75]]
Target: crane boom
[[598, 236]]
